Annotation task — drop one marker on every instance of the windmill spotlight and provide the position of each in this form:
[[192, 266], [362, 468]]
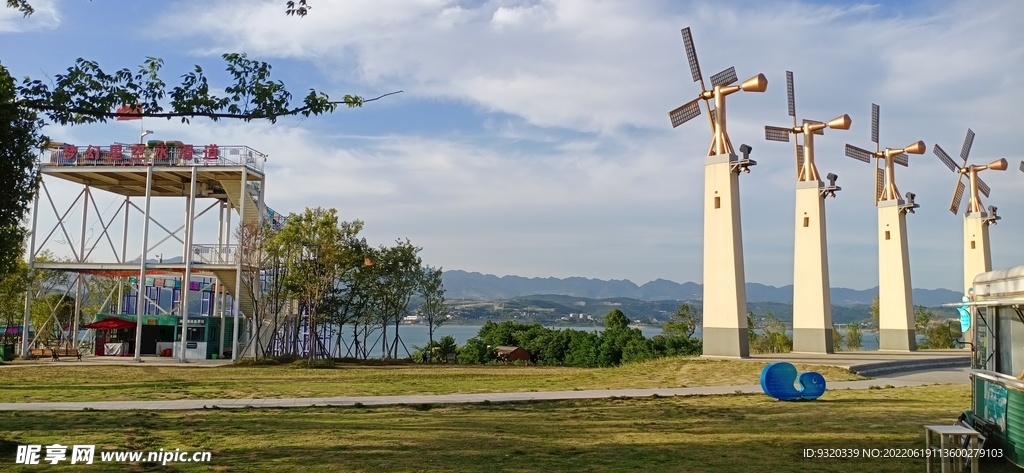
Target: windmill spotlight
[[999, 165], [832, 177], [840, 123], [758, 83], [916, 148]]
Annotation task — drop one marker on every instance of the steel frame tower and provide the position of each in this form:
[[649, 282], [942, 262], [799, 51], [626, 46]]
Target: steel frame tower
[[231, 176]]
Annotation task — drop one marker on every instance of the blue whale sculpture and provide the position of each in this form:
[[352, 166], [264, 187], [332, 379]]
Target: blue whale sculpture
[[778, 381]]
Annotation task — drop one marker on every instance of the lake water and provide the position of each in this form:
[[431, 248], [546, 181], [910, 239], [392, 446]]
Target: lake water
[[418, 335]]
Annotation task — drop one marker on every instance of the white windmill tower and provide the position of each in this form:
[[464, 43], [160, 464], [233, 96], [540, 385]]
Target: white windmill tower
[[725, 295], [895, 299], [977, 254], [812, 303]]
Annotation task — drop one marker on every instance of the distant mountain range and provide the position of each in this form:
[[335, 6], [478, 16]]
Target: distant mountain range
[[488, 287]]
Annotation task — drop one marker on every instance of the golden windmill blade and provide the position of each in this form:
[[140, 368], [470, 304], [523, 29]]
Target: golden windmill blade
[[691, 58], [958, 197], [958, 191], [879, 183], [983, 188], [685, 113]]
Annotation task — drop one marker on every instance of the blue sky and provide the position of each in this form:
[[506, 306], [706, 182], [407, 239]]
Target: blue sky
[[533, 139]]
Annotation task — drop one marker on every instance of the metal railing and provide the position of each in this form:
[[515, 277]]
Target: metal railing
[[275, 218], [122, 154], [212, 254]]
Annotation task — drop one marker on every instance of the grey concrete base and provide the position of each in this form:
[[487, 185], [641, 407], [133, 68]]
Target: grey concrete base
[[895, 339], [729, 342], [812, 340]]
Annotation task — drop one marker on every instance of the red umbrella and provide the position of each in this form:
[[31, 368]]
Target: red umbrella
[[110, 323]]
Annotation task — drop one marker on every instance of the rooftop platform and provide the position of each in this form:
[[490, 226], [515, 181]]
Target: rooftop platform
[[122, 168]]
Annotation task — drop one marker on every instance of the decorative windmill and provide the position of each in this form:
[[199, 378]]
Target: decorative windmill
[[812, 304], [805, 168], [977, 256], [885, 175], [977, 185], [721, 86], [895, 300], [725, 297]]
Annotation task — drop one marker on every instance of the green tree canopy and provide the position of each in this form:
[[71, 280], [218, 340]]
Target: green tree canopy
[[19, 179], [683, 323], [616, 320]]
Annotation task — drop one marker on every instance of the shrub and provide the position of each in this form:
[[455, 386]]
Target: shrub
[[853, 336], [476, 351]]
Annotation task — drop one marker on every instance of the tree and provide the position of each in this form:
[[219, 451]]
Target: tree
[[773, 338], [683, 323], [101, 295], [637, 350], [583, 349], [837, 339], [751, 329], [432, 291], [922, 319], [476, 351], [320, 255], [934, 333], [395, 276], [349, 302], [49, 298], [257, 247], [874, 312], [943, 335], [51, 316], [853, 337], [13, 286], [616, 320], [19, 178], [447, 346]]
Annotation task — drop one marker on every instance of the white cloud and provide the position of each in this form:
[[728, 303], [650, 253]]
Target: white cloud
[[46, 16], [578, 173]]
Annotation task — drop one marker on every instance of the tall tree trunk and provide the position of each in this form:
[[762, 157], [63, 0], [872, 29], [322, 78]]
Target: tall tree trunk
[[397, 321]]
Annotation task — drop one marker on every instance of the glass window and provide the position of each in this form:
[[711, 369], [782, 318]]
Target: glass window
[[983, 338], [1010, 334], [196, 334]]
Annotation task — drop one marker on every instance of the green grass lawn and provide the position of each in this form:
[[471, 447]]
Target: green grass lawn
[[733, 433], [67, 382]]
